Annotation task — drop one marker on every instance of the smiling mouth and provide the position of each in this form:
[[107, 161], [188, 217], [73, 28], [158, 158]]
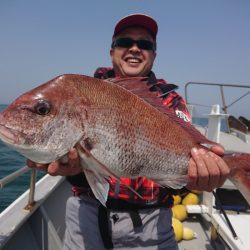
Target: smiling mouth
[[133, 60]]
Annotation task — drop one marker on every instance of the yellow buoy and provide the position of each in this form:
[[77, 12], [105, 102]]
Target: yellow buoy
[[178, 229], [177, 199], [179, 212], [188, 234], [190, 199]]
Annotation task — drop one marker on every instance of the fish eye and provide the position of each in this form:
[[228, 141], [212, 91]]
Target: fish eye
[[43, 107]]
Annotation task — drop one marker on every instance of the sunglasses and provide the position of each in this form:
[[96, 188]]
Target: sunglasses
[[126, 42]]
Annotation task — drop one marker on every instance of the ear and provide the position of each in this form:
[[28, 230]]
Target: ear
[[111, 52], [154, 56]]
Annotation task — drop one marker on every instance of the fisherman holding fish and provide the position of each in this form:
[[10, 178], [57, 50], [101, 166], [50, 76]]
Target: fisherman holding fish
[[137, 214]]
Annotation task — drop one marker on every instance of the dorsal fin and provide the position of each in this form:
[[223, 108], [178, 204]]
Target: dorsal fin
[[139, 87]]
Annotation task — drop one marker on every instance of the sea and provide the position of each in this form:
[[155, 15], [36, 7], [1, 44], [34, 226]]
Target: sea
[[11, 161]]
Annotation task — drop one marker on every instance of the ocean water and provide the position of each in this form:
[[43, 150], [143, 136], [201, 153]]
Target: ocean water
[[11, 161]]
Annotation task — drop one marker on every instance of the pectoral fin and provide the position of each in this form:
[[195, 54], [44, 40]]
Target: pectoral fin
[[95, 175], [98, 184]]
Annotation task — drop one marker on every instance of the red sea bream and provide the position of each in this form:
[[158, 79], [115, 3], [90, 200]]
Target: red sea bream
[[118, 127]]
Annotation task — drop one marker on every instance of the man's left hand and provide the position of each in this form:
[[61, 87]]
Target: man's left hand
[[207, 170]]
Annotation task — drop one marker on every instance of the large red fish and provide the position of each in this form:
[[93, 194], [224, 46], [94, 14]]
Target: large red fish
[[118, 127]]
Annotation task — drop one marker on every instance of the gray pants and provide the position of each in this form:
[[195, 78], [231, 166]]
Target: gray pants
[[82, 230]]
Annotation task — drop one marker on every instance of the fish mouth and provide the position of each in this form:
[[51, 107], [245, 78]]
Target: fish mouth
[[8, 135]]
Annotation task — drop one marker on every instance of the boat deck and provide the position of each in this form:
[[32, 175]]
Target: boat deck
[[201, 227]]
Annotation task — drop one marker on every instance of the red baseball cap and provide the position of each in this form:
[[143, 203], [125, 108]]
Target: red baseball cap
[[142, 20]]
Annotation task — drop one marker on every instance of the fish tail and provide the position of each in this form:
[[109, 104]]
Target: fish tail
[[239, 164]]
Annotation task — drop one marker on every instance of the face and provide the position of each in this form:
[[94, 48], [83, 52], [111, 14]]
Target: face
[[133, 61]]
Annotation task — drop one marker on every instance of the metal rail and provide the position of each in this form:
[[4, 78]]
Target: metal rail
[[221, 86], [11, 177]]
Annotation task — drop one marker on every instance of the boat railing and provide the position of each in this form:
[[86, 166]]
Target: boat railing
[[221, 86], [11, 177], [241, 123]]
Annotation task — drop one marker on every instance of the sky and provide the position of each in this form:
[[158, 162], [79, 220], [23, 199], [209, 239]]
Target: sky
[[198, 40]]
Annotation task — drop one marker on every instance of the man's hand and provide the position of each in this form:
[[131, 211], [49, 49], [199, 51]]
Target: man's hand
[[72, 167], [207, 170]]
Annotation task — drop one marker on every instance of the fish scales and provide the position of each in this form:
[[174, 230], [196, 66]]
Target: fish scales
[[138, 137]]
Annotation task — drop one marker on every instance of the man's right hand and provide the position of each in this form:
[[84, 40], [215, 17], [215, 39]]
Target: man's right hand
[[72, 167]]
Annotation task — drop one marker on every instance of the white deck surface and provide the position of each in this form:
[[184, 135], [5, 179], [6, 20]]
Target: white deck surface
[[241, 225]]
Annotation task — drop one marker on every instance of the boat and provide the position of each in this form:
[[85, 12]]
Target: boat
[[222, 218], [35, 220]]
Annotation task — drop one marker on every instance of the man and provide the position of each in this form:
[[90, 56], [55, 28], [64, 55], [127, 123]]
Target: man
[[130, 222]]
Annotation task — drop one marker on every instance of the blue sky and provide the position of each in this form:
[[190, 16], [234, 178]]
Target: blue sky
[[199, 40]]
